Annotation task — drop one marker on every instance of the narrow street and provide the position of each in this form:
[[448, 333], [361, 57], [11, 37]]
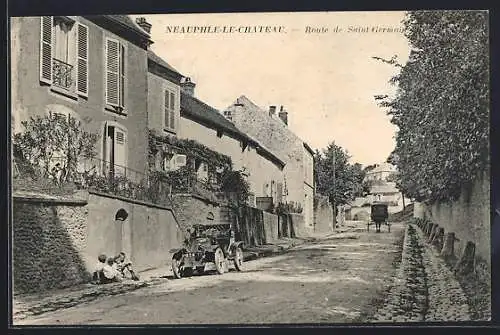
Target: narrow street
[[339, 278]]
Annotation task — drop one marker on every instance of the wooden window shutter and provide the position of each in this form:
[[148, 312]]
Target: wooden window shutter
[[82, 66], [167, 109], [120, 151], [121, 82], [112, 72], [172, 110], [46, 48], [279, 195]]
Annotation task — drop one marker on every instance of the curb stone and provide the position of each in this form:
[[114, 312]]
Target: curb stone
[[424, 288]]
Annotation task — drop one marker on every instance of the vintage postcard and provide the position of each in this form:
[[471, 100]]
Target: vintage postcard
[[251, 168]]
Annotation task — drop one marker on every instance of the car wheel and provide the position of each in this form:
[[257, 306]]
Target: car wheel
[[238, 259], [187, 272], [219, 261], [177, 267]]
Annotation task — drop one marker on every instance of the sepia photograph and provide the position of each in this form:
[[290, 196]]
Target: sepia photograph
[[272, 168]]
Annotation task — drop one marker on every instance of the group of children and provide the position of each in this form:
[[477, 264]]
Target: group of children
[[113, 269]]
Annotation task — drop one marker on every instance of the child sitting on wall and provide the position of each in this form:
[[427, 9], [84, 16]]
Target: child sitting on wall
[[98, 272], [124, 266]]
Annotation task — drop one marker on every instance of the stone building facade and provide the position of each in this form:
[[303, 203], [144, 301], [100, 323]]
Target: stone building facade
[[270, 128], [184, 116], [92, 68]]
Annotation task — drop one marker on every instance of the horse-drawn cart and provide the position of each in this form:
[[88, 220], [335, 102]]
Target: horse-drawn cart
[[379, 215]]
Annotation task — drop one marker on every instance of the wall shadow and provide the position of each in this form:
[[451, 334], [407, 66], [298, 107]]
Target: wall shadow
[[43, 252]]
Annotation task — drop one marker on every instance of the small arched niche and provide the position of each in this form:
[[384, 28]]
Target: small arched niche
[[121, 215], [210, 216]]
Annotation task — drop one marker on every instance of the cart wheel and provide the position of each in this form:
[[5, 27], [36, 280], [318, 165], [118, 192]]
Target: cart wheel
[[177, 267], [238, 259], [219, 261]]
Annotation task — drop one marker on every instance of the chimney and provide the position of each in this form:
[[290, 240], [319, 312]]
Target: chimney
[[188, 86], [272, 111], [283, 115], [141, 22]]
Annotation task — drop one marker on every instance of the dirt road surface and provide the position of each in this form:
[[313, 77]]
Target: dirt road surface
[[339, 278]]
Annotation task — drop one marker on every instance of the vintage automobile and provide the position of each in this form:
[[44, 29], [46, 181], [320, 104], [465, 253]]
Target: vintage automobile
[[207, 246]]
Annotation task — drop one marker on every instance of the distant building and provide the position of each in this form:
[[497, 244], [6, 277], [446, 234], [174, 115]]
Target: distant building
[[380, 172], [271, 129], [386, 192]]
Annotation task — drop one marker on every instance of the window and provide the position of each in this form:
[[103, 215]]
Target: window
[[167, 158], [64, 54], [115, 74], [201, 170], [169, 110], [115, 149], [228, 116]]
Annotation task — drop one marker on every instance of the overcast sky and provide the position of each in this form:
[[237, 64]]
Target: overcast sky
[[326, 81]]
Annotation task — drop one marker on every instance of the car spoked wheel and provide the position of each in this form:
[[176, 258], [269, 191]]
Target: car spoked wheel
[[177, 267], [238, 259], [219, 261]]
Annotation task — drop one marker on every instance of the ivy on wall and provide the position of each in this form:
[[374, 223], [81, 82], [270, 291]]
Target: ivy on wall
[[191, 148], [221, 176]]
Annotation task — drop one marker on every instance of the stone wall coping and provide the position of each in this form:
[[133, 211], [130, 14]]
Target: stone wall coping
[[134, 201], [199, 197], [42, 198]]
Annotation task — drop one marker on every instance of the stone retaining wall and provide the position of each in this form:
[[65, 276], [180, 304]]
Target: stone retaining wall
[[323, 215], [468, 217], [49, 239], [56, 240]]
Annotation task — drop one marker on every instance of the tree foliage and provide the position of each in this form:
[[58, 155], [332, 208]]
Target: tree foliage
[[47, 141], [441, 104], [234, 182], [336, 177]]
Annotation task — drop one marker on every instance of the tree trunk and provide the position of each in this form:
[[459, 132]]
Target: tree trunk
[[334, 215], [448, 250], [437, 240], [465, 264], [425, 227], [428, 227], [403, 200]]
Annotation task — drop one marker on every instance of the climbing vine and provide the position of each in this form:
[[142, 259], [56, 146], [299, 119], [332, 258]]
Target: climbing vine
[[442, 104], [221, 176], [191, 148]]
